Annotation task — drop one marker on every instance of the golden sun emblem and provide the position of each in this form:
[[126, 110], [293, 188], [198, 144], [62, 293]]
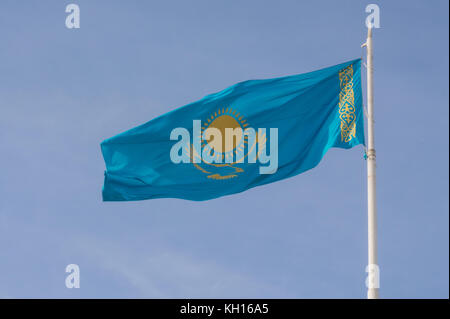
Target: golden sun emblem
[[222, 119], [225, 152]]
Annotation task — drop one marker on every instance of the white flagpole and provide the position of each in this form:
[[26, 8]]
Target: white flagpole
[[372, 268]]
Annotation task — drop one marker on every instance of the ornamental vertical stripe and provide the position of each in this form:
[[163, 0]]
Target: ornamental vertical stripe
[[347, 104]]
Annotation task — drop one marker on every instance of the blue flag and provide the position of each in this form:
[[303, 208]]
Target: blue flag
[[252, 133]]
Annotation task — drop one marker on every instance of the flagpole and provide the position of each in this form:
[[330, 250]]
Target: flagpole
[[372, 268]]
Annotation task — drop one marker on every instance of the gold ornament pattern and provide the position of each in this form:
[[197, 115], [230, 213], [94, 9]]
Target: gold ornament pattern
[[347, 104]]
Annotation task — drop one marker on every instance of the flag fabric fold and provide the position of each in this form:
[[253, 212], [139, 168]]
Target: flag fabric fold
[[250, 134]]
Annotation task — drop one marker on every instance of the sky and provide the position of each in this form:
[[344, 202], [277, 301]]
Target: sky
[[63, 91]]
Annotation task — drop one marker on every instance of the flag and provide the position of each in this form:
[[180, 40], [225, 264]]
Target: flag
[[253, 133]]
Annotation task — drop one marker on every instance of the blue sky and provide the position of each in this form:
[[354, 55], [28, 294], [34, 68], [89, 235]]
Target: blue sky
[[64, 91]]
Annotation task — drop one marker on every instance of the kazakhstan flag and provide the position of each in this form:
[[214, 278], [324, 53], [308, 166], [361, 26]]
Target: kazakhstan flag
[[250, 134]]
